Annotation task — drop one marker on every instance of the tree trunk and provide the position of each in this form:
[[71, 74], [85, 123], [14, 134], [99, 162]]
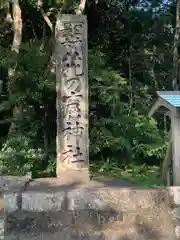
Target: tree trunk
[[175, 79], [153, 75], [17, 28]]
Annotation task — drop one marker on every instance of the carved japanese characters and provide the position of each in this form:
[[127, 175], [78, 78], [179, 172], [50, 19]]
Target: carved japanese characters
[[72, 92]]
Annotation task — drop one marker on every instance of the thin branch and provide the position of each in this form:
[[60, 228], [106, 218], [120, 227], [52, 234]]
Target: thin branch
[[46, 19], [81, 7], [45, 15]]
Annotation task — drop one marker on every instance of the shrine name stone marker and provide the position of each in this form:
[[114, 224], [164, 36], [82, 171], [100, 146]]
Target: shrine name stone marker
[[72, 93]]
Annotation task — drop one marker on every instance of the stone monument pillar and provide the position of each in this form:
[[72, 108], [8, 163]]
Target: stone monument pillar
[[72, 94]]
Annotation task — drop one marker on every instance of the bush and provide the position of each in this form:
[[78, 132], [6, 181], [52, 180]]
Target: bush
[[17, 156]]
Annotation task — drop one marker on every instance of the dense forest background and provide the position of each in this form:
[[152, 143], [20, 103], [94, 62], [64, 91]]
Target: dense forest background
[[131, 56]]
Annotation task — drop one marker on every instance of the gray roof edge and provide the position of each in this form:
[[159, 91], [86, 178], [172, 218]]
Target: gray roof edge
[[159, 93]]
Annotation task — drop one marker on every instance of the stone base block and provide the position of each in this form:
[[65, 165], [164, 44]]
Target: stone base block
[[48, 209], [14, 185], [69, 176]]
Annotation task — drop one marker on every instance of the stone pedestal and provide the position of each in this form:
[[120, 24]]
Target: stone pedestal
[[52, 210]]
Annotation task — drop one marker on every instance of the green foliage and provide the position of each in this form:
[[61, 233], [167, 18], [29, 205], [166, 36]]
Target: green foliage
[[118, 129], [17, 156], [143, 175], [139, 175], [31, 89]]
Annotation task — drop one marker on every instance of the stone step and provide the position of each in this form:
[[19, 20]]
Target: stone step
[[133, 233], [2, 217], [88, 224]]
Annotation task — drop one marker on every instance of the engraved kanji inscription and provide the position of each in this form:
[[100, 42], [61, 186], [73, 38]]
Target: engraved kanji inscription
[[72, 95]]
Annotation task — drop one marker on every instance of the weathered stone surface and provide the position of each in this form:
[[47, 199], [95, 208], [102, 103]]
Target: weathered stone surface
[[72, 93], [90, 211], [51, 194], [13, 183], [43, 202], [65, 234], [2, 223], [11, 202], [87, 224], [175, 192]]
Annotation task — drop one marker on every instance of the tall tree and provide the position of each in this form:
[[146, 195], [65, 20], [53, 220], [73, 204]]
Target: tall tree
[[15, 48], [175, 81]]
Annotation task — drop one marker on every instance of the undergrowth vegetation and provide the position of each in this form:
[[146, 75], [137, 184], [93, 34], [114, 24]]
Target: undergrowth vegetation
[[138, 175]]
